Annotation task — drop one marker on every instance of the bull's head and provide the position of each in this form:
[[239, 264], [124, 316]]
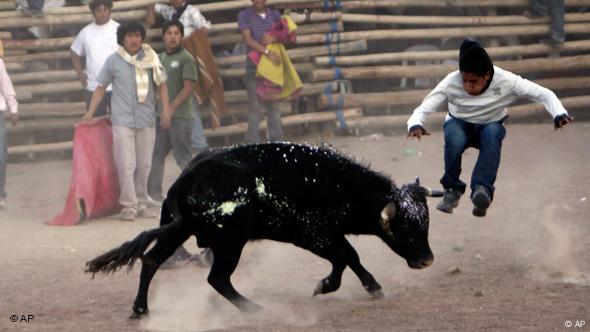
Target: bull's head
[[404, 221]]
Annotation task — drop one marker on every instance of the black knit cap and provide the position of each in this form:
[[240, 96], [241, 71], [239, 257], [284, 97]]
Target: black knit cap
[[474, 59]]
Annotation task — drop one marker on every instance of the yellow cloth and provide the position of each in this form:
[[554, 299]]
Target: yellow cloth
[[1, 50], [283, 75], [150, 60]]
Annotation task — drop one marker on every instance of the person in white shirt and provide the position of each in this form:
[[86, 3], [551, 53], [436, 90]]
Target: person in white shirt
[[477, 95], [96, 42], [7, 103], [190, 16]]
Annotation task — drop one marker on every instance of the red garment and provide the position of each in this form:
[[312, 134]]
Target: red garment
[[265, 89], [94, 185]]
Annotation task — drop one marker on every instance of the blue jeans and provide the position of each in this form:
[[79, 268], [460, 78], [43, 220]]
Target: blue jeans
[[3, 155], [556, 11], [459, 135], [198, 139]]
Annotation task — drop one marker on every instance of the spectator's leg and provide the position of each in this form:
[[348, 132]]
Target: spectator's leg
[[144, 148], [457, 135], [124, 155], [198, 140], [538, 7], [161, 150], [275, 125], [180, 141], [252, 134], [557, 14]]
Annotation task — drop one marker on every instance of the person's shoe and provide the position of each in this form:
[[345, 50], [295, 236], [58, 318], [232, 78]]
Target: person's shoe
[[2, 203], [127, 214], [481, 201], [450, 201], [552, 42], [145, 213], [532, 15], [154, 201]]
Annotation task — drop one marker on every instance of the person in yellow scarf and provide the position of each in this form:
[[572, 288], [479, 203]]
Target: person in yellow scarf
[[135, 73]]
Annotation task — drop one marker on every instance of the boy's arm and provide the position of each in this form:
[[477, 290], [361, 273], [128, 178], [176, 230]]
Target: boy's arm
[[430, 104], [540, 94]]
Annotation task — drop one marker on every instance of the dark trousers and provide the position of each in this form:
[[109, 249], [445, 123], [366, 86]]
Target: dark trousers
[[104, 103], [556, 11], [255, 107], [177, 139], [459, 135]]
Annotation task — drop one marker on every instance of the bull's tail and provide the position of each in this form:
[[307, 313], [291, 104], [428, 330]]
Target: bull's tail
[[128, 252]]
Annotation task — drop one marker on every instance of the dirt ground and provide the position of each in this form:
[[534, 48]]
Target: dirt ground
[[524, 266]]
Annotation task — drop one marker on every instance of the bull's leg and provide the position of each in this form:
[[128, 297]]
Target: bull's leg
[[337, 257], [354, 262], [164, 248], [226, 257]]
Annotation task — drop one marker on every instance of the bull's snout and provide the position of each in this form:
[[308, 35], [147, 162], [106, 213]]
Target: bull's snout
[[422, 263]]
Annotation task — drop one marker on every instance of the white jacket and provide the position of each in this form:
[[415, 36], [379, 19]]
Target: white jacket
[[488, 107]]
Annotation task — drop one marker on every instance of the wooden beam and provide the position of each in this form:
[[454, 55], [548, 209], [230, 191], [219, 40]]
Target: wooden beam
[[397, 57], [236, 129], [457, 20], [395, 71], [414, 97], [302, 30], [51, 55], [398, 123], [61, 20], [305, 52], [436, 33]]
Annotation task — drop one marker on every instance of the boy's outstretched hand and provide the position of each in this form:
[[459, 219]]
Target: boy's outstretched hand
[[417, 131], [561, 120]]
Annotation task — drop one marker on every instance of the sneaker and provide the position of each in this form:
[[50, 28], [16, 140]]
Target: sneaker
[[154, 201], [145, 213], [2, 203], [450, 200], [127, 214], [481, 201]]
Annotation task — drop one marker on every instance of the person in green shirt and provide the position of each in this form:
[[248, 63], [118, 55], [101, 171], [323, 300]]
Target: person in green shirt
[[181, 69]]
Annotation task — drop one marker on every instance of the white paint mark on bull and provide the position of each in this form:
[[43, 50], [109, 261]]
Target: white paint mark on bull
[[261, 189]]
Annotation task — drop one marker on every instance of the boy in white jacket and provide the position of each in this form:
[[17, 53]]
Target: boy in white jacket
[[477, 95]]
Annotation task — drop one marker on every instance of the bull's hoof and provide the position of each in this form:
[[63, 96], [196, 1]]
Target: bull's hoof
[[325, 286], [138, 312], [377, 294], [372, 286], [249, 307]]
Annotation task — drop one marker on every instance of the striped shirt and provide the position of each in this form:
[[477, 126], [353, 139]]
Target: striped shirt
[[191, 18], [249, 19]]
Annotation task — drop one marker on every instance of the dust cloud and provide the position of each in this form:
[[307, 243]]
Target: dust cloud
[[182, 300], [560, 255]]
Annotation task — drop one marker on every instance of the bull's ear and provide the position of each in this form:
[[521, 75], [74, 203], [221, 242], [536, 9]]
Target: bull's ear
[[388, 212]]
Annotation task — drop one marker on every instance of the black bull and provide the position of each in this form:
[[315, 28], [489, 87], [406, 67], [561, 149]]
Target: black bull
[[305, 195]]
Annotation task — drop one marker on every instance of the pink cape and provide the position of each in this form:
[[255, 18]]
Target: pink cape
[[94, 186]]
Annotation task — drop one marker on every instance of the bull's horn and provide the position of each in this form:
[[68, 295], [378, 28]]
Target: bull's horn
[[433, 192]]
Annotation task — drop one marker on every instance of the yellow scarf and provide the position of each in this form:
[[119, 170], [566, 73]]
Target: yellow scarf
[[150, 60]]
